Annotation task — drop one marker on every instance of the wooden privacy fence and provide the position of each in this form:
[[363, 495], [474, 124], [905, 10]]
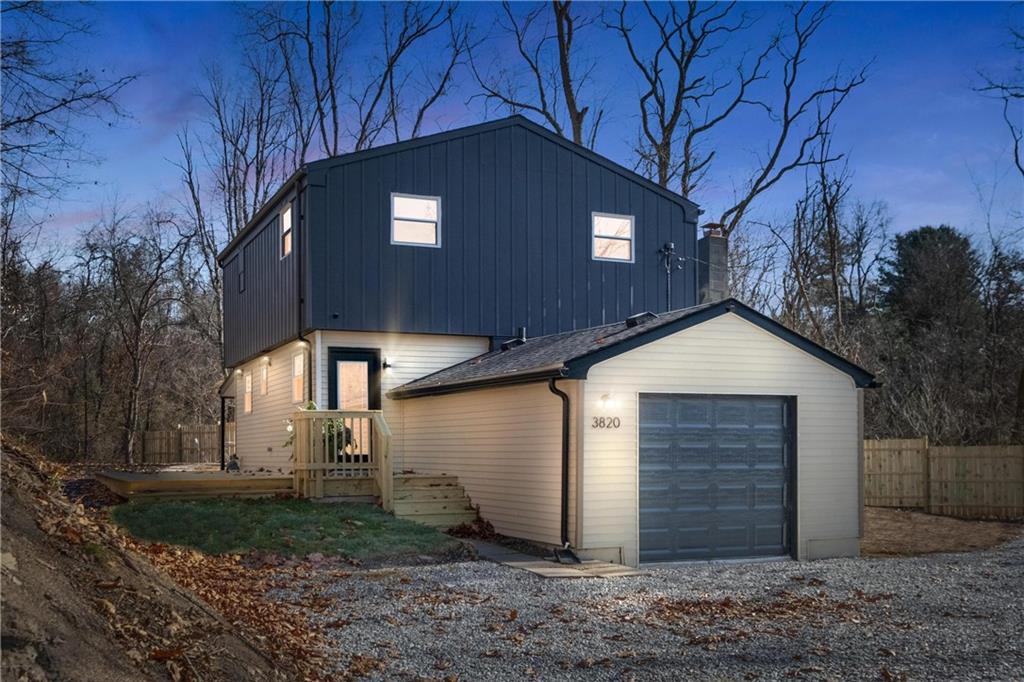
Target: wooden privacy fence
[[191, 444], [976, 482]]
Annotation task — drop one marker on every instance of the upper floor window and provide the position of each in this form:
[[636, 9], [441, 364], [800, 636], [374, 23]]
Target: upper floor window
[[286, 230], [264, 379], [241, 271], [415, 220], [613, 237]]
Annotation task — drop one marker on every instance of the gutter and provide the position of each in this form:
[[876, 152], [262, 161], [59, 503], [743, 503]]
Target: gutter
[[564, 554]]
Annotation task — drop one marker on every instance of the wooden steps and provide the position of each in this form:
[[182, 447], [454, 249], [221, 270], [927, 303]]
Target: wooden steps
[[436, 500]]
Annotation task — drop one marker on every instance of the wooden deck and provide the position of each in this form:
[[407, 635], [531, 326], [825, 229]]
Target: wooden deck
[[432, 499], [193, 484]]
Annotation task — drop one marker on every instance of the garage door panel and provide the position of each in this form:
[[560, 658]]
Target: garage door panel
[[714, 477]]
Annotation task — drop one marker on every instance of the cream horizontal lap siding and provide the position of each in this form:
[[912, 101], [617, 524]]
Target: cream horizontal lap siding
[[725, 355], [262, 434], [505, 446], [412, 356]]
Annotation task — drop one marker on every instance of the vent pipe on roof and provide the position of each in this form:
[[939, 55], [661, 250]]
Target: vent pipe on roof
[[712, 265], [517, 341]]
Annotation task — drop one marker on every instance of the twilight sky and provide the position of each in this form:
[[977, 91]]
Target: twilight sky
[[918, 136]]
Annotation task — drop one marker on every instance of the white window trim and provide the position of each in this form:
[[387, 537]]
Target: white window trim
[[302, 391], [281, 231], [265, 379], [631, 240], [437, 229]]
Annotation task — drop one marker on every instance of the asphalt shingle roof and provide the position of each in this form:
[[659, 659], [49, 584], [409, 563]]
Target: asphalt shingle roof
[[542, 355]]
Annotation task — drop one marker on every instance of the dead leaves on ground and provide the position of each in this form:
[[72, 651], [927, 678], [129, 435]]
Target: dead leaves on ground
[[239, 593]]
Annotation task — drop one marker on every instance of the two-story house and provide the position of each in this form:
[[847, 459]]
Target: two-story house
[[507, 299]]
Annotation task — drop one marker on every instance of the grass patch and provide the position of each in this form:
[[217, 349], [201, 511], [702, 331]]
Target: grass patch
[[286, 527]]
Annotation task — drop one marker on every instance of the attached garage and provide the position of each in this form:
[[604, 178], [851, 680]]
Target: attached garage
[[709, 433], [716, 476]]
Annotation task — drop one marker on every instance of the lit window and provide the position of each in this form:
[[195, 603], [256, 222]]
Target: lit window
[[613, 237], [415, 220], [298, 369], [247, 394], [286, 230], [264, 379]]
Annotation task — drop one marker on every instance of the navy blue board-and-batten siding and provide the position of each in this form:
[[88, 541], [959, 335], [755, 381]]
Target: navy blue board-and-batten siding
[[516, 227]]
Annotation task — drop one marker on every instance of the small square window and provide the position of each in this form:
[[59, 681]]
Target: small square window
[[613, 237], [415, 220], [286, 230]]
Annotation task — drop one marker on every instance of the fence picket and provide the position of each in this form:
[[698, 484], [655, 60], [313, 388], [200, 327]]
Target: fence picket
[[191, 444], [971, 482]]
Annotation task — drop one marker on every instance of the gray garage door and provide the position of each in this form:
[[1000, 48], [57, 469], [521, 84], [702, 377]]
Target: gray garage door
[[714, 477]]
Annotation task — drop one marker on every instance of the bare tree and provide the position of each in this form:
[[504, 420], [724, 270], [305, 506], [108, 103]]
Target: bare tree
[[684, 97], [377, 102], [245, 139], [46, 95], [552, 76], [1010, 91], [136, 266], [312, 45]]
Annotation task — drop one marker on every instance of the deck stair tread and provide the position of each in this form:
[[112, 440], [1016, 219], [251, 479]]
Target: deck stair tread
[[433, 500]]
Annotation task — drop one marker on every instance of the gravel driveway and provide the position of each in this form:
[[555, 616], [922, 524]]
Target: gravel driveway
[[949, 616]]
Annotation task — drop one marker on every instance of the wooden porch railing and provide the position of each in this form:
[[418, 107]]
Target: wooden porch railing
[[341, 444]]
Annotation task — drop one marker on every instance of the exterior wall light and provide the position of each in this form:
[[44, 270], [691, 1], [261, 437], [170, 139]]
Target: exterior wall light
[[606, 401], [387, 364]]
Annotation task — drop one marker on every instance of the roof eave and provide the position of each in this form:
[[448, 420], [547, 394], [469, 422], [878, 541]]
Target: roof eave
[[262, 214], [579, 367], [510, 379]]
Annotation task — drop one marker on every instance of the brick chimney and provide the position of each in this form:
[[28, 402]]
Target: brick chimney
[[712, 265]]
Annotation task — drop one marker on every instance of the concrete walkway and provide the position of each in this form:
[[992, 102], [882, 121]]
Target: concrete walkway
[[547, 568]]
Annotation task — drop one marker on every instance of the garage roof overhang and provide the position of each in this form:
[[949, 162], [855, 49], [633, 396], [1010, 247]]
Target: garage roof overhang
[[571, 355]]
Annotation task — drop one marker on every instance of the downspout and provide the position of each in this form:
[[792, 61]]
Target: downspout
[[300, 253], [564, 554]]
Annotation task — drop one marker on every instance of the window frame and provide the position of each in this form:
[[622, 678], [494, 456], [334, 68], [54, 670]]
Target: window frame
[[290, 232], [437, 223], [265, 378], [241, 270], [301, 376], [247, 402], [594, 237]]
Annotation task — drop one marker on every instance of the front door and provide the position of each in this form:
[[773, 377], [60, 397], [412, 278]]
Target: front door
[[353, 379]]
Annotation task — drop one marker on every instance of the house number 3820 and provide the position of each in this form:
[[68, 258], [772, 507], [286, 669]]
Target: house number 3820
[[606, 423]]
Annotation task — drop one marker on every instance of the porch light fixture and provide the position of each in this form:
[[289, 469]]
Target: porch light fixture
[[387, 364], [606, 401]]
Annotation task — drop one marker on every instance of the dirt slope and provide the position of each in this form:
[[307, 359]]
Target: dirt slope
[[78, 605]]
